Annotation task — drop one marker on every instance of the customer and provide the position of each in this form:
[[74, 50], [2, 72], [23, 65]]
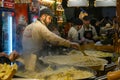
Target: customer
[[88, 32], [37, 33], [55, 30], [73, 34]]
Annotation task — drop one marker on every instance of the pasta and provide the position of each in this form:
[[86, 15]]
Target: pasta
[[68, 73], [98, 53]]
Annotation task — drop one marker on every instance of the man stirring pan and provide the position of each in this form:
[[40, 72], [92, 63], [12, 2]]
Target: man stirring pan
[[37, 33]]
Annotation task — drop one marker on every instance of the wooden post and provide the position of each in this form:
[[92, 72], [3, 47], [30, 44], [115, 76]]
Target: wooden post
[[118, 9]]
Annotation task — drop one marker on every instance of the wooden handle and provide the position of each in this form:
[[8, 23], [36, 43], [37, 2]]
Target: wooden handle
[[82, 51]]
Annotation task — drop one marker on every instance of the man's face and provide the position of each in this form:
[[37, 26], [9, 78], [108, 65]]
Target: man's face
[[79, 27], [86, 22], [47, 19]]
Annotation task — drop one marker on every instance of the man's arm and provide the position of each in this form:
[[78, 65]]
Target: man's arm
[[53, 38]]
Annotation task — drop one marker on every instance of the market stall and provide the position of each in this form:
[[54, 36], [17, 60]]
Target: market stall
[[90, 62], [66, 64]]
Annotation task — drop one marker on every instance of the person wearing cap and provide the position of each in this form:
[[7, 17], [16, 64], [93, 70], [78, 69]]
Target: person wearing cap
[[73, 31], [36, 34], [88, 31]]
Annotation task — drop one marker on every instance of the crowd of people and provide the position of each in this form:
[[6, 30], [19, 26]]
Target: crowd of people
[[92, 30]]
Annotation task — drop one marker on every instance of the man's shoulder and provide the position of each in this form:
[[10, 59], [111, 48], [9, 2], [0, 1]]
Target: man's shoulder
[[34, 24], [72, 29]]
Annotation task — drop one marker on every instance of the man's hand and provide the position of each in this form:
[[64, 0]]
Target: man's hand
[[74, 45], [14, 55]]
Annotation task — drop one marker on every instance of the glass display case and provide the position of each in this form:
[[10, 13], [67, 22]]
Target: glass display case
[[7, 30]]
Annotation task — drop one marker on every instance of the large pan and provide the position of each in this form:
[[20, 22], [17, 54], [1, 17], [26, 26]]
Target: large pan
[[61, 70], [74, 60], [101, 54], [89, 70]]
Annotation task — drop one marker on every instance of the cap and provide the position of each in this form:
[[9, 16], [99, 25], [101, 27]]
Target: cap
[[86, 18], [45, 10], [78, 22]]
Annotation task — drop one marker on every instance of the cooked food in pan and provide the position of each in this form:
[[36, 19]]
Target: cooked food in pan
[[68, 73], [74, 60], [98, 53]]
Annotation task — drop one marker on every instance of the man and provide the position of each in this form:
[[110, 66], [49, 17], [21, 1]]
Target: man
[[87, 31], [73, 31], [37, 33]]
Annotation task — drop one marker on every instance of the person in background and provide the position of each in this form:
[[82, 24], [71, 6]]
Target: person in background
[[95, 23], [106, 29], [73, 34], [107, 32], [67, 26], [87, 31], [106, 20], [36, 34], [55, 30]]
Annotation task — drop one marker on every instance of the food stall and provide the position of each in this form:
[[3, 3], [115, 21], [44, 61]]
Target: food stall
[[97, 61], [91, 62]]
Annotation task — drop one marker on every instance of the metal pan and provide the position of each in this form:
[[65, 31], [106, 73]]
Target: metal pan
[[86, 69], [74, 60], [89, 70]]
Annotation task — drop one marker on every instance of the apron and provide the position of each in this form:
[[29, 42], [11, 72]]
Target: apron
[[79, 38], [88, 34]]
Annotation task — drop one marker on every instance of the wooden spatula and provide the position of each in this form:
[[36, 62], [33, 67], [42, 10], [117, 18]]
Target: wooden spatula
[[82, 51]]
